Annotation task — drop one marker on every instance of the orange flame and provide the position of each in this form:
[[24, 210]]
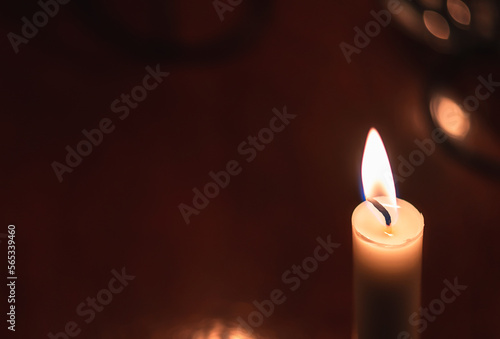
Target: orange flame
[[376, 175]]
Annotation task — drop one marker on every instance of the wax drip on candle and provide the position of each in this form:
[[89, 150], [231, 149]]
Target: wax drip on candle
[[382, 210]]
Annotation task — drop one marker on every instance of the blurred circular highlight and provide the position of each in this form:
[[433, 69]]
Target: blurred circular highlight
[[436, 24], [459, 11], [450, 117]]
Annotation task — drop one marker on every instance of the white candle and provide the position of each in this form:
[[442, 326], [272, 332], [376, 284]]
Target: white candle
[[387, 247]]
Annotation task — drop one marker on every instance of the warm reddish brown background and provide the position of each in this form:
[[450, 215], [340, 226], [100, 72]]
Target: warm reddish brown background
[[119, 207]]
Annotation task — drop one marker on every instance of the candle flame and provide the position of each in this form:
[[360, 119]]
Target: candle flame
[[376, 175]]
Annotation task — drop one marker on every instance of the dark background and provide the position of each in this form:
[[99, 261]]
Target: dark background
[[119, 207]]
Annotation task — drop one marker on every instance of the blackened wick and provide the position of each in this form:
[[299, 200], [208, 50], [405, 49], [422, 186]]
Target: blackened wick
[[382, 210]]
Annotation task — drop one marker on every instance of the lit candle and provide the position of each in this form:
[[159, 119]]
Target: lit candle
[[387, 246]]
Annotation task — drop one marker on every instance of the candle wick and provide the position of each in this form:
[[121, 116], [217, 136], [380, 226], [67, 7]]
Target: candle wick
[[382, 210]]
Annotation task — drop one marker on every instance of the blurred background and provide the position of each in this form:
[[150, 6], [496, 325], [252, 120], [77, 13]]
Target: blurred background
[[230, 64]]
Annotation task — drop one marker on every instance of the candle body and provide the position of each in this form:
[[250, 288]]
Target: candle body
[[387, 271]]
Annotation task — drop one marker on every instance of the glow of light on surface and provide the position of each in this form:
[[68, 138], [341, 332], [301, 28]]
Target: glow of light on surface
[[206, 329], [450, 117], [436, 25], [220, 331], [485, 17], [459, 11]]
